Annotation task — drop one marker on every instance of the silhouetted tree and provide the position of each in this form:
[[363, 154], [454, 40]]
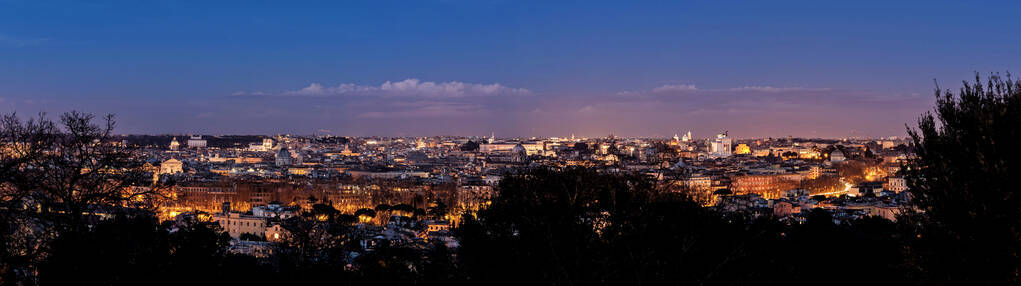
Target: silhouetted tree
[[968, 224], [438, 211], [584, 227], [470, 146], [55, 177]]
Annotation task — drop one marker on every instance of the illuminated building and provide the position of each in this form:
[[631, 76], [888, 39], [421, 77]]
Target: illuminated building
[[275, 233], [837, 156], [785, 209], [174, 145], [266, 146], [171, 166], [896, 184], [436, 225], [298, 171], [236, 224], [742, 149], [814, 172], [196, 142], [768, 186], [532, 148], [720, 146]]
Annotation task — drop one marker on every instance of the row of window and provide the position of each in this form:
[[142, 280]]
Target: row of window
[[239, 223]]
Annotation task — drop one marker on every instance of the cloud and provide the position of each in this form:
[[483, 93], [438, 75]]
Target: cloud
[[775, 89], [675, 88], [408, 87], [587, 109]]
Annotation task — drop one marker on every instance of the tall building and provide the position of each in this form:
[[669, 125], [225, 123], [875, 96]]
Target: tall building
[[720, 146]]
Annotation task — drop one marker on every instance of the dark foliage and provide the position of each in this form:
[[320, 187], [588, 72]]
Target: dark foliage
[[582, 227], [470, 146], [134, 250], [968, 224]]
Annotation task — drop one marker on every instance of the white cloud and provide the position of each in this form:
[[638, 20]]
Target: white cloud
[[675, 88], [408, 87]]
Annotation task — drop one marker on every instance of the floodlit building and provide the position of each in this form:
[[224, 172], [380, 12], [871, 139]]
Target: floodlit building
[[720, 146], [532, 148], [896, 184], [171, 166], [196, 142], [174, 145], [837, 156], [266, 146], [235, 224], [742, 149]]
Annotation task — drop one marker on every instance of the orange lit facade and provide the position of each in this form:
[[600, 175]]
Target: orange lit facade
[[768, 186]]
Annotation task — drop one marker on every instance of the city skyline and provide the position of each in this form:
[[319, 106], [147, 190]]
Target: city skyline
[[518, 69], [509, 142]]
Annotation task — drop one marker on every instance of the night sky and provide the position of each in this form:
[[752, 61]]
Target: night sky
[[516, 68]]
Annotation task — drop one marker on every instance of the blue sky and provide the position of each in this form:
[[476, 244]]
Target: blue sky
[[518, 68]]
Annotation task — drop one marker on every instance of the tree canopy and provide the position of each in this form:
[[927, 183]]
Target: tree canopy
[[969, 209]]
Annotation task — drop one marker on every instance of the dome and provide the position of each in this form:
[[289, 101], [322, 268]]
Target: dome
[[519, 154], [283, 156], [519, 148]]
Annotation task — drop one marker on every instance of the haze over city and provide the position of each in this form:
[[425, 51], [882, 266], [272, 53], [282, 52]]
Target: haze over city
[[533, 68]]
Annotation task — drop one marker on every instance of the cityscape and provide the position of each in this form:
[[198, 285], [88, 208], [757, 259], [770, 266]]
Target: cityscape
[[509, 143]]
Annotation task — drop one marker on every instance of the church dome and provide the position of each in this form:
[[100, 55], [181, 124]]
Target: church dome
[[519, 154], [519, 149]]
